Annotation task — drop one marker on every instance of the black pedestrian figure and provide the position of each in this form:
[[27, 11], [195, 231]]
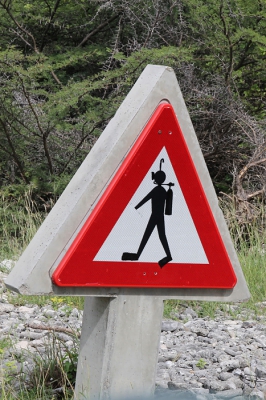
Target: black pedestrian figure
[[161, 203]]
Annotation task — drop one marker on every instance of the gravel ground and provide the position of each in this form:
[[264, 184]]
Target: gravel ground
[[199, 358]]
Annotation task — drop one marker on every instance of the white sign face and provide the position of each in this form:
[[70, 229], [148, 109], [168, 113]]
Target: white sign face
[[181, 234]]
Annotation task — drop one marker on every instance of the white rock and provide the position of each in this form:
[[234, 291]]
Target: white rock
[[7, 264], [257, 394], [50, 313], [6, 308], [260, 371], [23, 345], [28, 310], [169, 364]]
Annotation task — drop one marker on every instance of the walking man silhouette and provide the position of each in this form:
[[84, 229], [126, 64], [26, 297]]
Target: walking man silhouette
[[159, 199]]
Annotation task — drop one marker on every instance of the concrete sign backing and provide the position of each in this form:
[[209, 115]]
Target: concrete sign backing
[[189, 255]]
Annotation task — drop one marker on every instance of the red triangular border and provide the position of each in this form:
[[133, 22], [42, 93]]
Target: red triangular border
[[77, 268]]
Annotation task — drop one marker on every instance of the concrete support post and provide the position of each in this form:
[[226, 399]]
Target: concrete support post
[[119, 347]]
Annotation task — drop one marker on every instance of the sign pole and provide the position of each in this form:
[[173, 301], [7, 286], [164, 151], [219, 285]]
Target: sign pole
[[119, 347]]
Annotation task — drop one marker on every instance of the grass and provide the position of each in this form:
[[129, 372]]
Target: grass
[[19, 221], [201, 363], [252, 258], [69, 301], [52, 376]]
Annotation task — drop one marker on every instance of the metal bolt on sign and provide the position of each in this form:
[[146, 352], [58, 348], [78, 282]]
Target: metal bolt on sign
[[138, 223]]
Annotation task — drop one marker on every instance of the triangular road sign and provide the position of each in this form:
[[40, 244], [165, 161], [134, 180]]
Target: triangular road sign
[[194, 232], [182, 249]]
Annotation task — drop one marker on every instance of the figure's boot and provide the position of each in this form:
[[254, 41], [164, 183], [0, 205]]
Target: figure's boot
[[130, 256], [164, 261]]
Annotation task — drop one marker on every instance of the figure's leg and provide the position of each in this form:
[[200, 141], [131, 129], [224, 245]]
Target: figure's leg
[[147, 234], [163, 239], [145, 238]]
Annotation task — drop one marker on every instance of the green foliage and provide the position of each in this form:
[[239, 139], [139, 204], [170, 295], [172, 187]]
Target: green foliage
[[201, 363], [57, 368], [67, 303], [19, 220], [172, 308], [65, 67], [252, 258], [52, 377], [46, 130], [4, 344]]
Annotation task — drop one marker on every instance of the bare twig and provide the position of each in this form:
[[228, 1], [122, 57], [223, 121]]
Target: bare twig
[[244, 170], [227, 35], [53, 12], [80, 144], [69, 331], [44, 134], [6, 6], [256, 194], [13, 151], [99, 27]]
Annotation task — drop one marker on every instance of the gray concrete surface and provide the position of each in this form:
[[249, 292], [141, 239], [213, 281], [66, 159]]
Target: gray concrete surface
[[119, 347]]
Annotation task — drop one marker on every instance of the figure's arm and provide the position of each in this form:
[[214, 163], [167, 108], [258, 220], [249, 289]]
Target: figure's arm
[[144, 200]]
